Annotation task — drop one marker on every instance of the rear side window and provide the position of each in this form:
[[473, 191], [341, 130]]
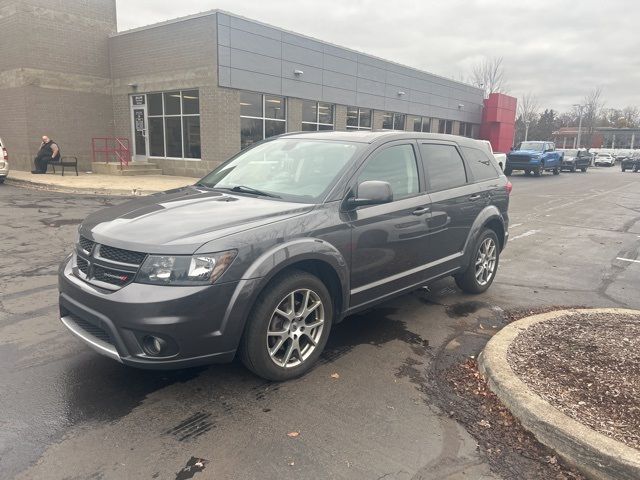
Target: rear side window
[[443, 165], [396, 165], [480, 164]]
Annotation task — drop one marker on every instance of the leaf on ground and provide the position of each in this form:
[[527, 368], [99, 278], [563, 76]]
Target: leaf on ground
[[335, 375], [293, 434]]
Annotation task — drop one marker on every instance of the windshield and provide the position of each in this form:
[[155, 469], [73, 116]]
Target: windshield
[[604, 155], [571, 153], [295, 169], [536, 146]]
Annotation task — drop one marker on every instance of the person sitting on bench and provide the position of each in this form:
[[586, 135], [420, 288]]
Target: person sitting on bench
[[49, 153]]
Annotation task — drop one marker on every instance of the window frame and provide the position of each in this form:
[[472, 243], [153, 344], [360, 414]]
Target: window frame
[[317, 123], [428, 187], [393, 121], [422, 119], [468, 162], [352, 183], [264, 117], [359, 126], [181, 116]]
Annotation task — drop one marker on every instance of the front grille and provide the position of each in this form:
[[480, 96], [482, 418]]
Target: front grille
[[111, 276], [107, 267], [93, 330], [83, 265], [122, 256], [86, 244], [519, 158]]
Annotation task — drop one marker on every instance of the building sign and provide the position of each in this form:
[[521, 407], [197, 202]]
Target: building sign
[[138, 116], [138, 100]]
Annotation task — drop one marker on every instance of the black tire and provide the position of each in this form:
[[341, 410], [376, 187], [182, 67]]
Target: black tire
[[573, 169], [538, 172], [527, 172], [556, 171], [508, 172], [583, 169], [467, 281], [253, 349], [623, 169], [2, 180]]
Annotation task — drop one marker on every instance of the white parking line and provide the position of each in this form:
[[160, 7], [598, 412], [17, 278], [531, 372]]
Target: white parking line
[[525, 234], [517, 225], [625, 259]]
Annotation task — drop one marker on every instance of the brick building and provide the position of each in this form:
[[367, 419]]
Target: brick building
[[188, 93]]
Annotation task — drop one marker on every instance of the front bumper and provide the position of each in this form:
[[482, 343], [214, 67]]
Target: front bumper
[[523, 164], [201, 324]]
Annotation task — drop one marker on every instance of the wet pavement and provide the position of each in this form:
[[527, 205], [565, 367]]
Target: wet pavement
[[66, 412]]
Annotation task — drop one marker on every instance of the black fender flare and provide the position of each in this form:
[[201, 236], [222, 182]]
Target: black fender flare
[[270, 264], [490, 213]]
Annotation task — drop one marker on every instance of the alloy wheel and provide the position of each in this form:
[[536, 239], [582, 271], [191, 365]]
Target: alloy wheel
[[486, 261], [295, 328]]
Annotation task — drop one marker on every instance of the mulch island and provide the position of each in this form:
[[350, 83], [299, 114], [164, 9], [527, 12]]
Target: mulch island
[[587, 365]]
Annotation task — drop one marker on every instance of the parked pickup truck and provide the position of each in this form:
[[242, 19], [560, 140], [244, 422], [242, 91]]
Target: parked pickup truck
[[534, 157], [501, 158], [576, 159]]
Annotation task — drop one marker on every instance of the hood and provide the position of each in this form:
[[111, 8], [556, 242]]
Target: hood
[[530, 153], [179, 221]]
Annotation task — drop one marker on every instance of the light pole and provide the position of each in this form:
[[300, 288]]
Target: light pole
[[526, 129], [579, 107]]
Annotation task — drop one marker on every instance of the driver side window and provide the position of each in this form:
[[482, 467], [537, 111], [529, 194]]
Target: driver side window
[[396, 165]]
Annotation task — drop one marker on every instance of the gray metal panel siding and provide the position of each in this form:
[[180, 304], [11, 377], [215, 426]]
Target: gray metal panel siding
[[257, 57]]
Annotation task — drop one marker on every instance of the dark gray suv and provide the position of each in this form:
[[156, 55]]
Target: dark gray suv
[[263, 255]]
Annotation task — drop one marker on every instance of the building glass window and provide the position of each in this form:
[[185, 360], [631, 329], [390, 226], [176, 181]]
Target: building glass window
[[393, 121], [466, 129], [445, 126], [421, 124], [261, 116], [358, 118], [174, 124], [317, 116]]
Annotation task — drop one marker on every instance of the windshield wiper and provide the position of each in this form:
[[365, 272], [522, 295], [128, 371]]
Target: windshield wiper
[[255, 191]]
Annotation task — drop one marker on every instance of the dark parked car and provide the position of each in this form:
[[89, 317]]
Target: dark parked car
[[576, 160], [632, 162], [266, 253]]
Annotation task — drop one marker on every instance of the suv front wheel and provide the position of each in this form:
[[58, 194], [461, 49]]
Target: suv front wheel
[[483, 266], [288, 327]]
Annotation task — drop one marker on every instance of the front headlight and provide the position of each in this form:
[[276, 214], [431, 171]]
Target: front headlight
[[184, 270]]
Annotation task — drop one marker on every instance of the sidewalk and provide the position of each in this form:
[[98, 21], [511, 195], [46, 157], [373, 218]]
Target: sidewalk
[[91, 183]]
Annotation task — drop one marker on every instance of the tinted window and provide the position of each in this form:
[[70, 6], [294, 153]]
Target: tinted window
[[481, 166], [444, 166], [396, 165]]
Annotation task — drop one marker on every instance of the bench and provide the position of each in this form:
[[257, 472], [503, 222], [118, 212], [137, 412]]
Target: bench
[[65, 162]]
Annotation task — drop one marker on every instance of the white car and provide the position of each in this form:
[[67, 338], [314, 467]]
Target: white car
[[501, 158], [605, 159], [4, 162]]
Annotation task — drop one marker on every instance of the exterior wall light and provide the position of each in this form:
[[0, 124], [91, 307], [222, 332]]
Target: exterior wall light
[[460, 106], [401, 93], [297, 73]]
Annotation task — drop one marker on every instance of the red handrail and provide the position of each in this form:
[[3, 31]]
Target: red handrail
[[112, 148]]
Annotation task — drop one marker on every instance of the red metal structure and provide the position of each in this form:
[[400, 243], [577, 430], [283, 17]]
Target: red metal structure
[[111, 148], [499, 121]]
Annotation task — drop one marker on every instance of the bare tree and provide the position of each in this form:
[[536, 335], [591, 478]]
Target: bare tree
[[489, 75], [592, 106], [631, 116], [528, 107]]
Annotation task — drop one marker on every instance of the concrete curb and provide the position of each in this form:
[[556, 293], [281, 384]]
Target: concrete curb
[[593, 453], [84, 191]]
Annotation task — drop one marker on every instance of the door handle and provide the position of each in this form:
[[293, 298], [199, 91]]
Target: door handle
[[421, 211], [475, 197]]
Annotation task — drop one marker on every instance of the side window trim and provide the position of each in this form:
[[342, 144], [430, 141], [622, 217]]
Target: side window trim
[[423, 161], [352, 183]]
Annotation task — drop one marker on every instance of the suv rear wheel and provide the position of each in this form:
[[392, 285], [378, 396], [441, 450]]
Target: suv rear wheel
[[288, 327], [483, 266]]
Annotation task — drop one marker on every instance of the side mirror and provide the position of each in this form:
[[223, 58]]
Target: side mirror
[[371, 192]]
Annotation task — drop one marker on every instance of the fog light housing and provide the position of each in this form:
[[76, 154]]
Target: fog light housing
[[154, 346]]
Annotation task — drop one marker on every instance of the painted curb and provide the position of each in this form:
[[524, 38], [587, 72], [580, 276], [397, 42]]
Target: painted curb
[[594, 454], [84, 191]]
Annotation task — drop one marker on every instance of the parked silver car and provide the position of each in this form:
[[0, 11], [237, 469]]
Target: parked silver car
[[4, 162]]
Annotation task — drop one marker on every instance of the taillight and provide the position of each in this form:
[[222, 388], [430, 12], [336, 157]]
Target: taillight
[[508, 187], [5, 154]]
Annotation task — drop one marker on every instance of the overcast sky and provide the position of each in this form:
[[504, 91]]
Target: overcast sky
[[559, 50]]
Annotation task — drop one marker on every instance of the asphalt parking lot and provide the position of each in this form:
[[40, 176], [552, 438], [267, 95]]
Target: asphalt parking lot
[[66, 412]]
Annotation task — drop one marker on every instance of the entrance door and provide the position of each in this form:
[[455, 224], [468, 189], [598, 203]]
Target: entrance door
[[139, 123]]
